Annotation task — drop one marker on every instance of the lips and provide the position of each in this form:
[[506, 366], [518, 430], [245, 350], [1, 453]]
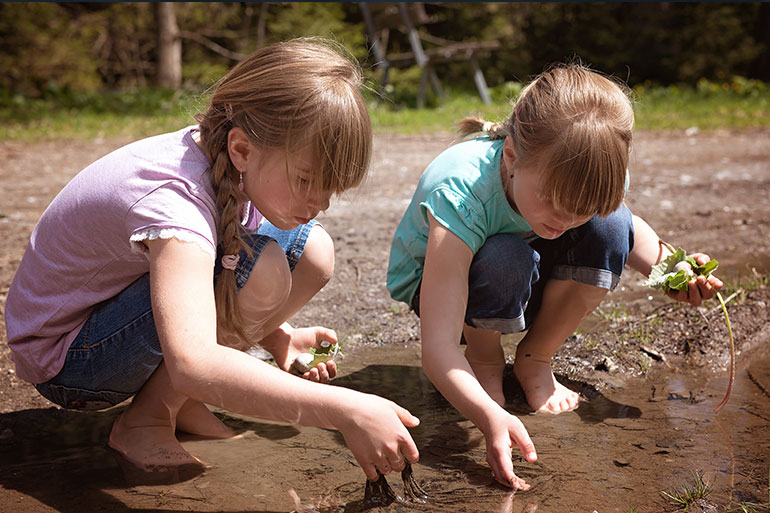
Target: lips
[[554, 231]]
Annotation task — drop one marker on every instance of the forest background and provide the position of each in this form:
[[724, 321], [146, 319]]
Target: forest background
[[74, 69]]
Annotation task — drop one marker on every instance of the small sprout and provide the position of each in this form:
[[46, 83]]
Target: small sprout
[[326, 352], [306, 361], [675, 273]]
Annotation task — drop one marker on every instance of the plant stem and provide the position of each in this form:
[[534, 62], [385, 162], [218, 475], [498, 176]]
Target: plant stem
[[732, 355]]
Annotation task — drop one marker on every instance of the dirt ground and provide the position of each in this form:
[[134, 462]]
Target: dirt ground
[[707, 191]]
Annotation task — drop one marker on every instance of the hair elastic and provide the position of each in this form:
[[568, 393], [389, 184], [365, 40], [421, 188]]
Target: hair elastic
[[487, 127], [229, 262]]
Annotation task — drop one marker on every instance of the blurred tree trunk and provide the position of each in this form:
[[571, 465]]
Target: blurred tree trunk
[[169, 73]]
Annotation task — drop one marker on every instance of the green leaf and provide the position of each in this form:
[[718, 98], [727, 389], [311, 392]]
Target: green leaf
[[706, 269], [660, 274], [324, 354], [663, 276]]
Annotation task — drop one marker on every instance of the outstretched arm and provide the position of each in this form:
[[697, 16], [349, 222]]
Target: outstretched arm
[[444, 295], [649, 251], [181, 275]]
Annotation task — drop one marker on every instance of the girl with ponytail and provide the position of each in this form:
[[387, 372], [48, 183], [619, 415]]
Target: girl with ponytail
[[522, 228], [158, 266]]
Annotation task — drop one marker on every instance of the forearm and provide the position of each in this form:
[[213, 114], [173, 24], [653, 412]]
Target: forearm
[[647, 251], [451, 374], [445, 365], [232, 380]]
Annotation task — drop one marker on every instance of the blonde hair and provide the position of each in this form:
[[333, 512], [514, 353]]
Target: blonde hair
[[574, 126], [303, 93]]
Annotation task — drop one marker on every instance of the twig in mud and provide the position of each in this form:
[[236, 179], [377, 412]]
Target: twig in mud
[[412, 489], [379, 493], [656, 355], [727, 300]]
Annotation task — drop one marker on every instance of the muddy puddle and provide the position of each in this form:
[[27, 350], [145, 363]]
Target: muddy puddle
[[615, 453]]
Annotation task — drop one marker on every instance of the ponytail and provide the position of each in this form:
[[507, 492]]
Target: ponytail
[[475, 124]]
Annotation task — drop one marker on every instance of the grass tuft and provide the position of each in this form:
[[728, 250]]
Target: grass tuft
[[689, 492]]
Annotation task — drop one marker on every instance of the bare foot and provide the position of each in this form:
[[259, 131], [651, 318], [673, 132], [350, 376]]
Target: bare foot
[[151, 448], [490, 376], [543, 392], [196, 419]]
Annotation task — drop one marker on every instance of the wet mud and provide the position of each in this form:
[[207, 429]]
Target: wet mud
[[651, 372], [615, 453]]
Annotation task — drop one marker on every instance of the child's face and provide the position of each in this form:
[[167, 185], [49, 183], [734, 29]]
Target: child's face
[[546, 221], [277, 186]]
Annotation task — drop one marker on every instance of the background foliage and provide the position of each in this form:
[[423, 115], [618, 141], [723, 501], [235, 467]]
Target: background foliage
[[79, 68], [90, 46]]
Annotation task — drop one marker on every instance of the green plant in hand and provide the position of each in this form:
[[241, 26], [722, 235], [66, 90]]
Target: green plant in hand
[[675, 273], [314, 356], [323, 354]]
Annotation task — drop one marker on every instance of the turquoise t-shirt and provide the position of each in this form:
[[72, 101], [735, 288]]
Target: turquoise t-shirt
[[463, 191]]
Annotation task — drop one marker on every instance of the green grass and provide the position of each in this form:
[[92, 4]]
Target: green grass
[[685, 496], [737, 104]]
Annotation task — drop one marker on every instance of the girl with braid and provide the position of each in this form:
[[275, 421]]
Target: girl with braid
[[157, 266]]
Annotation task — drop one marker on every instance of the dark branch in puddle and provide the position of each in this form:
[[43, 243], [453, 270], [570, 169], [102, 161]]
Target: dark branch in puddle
[[379, 493]]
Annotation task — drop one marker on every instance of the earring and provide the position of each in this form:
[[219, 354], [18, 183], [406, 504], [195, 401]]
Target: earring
[[240, 180]]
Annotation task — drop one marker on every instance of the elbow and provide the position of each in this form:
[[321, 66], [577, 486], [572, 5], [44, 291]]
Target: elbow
[[429, 366]]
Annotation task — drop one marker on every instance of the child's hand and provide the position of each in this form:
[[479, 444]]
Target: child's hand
[[291, 342], [505, 431], [375, 431], [699, 289], [302, 340]]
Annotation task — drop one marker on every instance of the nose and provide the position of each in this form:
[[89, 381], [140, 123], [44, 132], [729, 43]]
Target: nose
[[568, 220], [320, 202]]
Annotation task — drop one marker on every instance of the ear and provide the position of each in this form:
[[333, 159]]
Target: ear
[[509, 154], [239, 148]]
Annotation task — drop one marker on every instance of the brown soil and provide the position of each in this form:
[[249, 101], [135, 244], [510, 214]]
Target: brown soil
[[707, 192]]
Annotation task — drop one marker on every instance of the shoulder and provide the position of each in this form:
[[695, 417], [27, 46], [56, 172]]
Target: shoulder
[[473, 153], [469, 168]]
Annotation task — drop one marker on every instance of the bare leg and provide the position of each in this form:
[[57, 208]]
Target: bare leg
[[312, 272], [486, 357], [144, 433], [196, 419], [565, 305]]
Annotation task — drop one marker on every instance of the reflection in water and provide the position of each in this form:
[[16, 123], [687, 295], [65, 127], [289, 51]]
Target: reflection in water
[[600, 408]]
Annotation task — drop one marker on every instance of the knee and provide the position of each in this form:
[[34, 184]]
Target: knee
[[506, 262], [615, 232], [504, 271], [269, 283], [317, 260]]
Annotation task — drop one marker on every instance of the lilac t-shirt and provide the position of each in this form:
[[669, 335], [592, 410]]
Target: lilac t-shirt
[[87, 246]]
